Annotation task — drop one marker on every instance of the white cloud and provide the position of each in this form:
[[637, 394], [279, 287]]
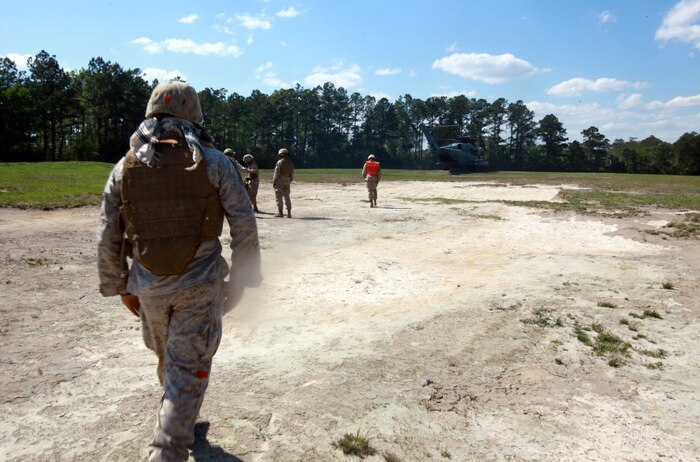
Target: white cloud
[[249, 40], [682, 23], [224, 30], [162, 75], [250, 22], [487, 68], [677, 102], [412, 73], [578, 86], [267, 75], [188, 46], [388, 71], [606, 17], [189, 19], [452, 48], [640, 123], [288, 13], [283, 43], [19, 60], [340, 77], [628, 102]]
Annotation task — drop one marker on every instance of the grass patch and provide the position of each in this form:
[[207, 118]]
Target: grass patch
[[391, 457], [607, 305], [446, 454], [656, 366], [607, 343], [659, 354], [688, 228], [582, 336], [542, 317], [354, 445], [35, 262], [668, 285], [646, 314]]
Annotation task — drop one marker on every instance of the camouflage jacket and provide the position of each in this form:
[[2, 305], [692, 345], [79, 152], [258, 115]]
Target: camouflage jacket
[[208, 264]]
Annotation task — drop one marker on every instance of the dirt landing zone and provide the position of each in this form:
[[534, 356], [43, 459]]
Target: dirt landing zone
[[440, 325]]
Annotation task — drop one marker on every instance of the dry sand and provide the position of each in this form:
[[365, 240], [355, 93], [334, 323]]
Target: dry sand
[[413, 324]]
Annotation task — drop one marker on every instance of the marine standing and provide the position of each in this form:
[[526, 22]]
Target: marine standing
[[252, 181], [282, 180], [163, 206], [372, 173]]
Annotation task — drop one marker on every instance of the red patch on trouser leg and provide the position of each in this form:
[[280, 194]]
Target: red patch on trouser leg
[[202, 374]]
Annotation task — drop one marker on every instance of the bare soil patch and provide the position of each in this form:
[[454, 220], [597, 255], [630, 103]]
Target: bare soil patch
[[436, 329]]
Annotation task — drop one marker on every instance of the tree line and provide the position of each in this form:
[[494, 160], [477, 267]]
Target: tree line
[[49, 114]]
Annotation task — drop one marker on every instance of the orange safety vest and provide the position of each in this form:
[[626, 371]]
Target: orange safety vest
[[372, 168]]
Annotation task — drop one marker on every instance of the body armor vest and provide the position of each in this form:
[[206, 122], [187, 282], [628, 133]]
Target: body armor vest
[[169, 210]]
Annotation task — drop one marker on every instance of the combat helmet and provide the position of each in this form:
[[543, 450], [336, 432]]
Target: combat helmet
[[177, 99]]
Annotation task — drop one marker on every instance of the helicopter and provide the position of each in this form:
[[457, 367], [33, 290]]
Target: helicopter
[[461, 155]]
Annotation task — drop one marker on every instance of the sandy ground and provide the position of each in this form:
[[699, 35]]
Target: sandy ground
[[414, 324]]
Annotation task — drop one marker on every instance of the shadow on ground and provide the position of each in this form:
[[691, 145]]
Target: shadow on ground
[[203, 451]]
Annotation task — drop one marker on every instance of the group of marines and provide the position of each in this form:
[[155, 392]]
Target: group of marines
[[284, 175]]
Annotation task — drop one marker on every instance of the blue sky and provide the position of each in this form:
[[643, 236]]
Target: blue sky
[[630, 68]]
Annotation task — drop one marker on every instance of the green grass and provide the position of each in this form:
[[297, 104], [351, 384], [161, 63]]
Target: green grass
[[659, 354], [582, 336], [355, 445], [646, 314], [607, 305], [46, 185]]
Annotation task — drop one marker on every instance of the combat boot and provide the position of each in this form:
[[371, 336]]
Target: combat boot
[[279, 213], [289, 213]]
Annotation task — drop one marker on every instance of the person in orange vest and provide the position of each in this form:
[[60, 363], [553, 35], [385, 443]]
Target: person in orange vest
[[372, 173]]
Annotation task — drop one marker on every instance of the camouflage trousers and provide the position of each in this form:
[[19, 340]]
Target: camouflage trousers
[[372, 182], [252, 188], [184, 330], [282, 191]]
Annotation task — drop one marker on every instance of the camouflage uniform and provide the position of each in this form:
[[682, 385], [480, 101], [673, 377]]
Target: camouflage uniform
[[181, 313], [252, 181], [281, 182]]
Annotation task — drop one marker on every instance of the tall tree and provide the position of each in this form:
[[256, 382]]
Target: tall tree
[[50, 88], [687, 153], [112, 101], [497, 156], [553, 134], [15, 113], [595, 144], [522, 132]]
